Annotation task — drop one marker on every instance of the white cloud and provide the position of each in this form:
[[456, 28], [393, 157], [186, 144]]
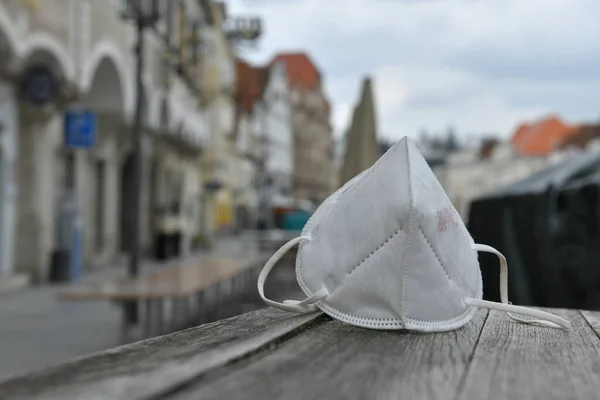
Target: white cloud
[[479, 65], [412, 98], [341, 116]]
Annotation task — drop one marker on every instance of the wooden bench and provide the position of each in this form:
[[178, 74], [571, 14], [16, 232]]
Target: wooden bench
[[174, 297], [271, 354]]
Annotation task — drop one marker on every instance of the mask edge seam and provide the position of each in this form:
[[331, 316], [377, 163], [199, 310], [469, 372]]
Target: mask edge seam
[[365, 322], [464, 314], [408, 244], [450, 323]]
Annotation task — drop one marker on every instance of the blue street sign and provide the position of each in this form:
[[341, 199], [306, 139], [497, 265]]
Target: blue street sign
[[80, 129]]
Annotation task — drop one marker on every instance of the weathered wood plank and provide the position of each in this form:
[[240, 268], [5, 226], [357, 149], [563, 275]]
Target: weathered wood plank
[[593, 318], [148, 368], [339, 361], [518, 361]]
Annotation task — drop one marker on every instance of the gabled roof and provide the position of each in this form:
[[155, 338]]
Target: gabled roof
[[521, 130], [251, 82], [262, 75], [542, 137], [300, 70], [248, 86]]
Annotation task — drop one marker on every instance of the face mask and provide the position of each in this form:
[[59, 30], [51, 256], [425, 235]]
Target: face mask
[[389, 251]]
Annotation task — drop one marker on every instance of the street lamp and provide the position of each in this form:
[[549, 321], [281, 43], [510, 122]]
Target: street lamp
[[144, 14], [146, 11]]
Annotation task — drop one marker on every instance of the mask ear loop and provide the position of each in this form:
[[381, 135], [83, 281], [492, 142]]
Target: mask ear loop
[[305, 306], [543, 318]]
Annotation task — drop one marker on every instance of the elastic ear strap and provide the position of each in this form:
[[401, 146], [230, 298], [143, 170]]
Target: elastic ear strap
[[306, 305], [544, 317], [503, 269]]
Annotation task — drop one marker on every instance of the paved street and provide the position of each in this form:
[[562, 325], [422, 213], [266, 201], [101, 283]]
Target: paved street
[[38, 330]]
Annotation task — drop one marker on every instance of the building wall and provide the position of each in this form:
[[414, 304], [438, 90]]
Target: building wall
[[275, 110], [99, 185], [104, 25], [466, 177], [247, 156], [88, 46], [37, 194], [313, 146], [8, 156], [218, 80]]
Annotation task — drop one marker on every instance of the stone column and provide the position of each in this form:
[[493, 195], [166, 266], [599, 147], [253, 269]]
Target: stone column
[[36, 191], [145, 209], [112, 202], [105, 150]]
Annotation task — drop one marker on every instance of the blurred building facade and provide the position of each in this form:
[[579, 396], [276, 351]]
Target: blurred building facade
[[58, 56], [246, 143], [313, 167], [469, 173], [277, 141], [265, 135], [218, 162], [175, 180]]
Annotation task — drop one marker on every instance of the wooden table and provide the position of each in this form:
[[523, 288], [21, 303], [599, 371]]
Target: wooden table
[[270, 354], [187, 288]]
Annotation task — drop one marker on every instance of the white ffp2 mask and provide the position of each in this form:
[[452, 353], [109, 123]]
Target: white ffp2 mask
[[389, 251]]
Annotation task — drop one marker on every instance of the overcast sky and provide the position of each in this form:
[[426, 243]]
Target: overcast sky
[[481, 66]]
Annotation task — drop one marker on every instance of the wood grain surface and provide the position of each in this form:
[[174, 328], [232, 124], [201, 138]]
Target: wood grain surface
[[519, 361], [339, 361], [272, 354], [592, 318], [158, 365]]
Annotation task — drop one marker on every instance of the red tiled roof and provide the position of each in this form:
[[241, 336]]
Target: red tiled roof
[[248, 85], [542, 137], [262, 75], [521, 130], [301, 71]]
